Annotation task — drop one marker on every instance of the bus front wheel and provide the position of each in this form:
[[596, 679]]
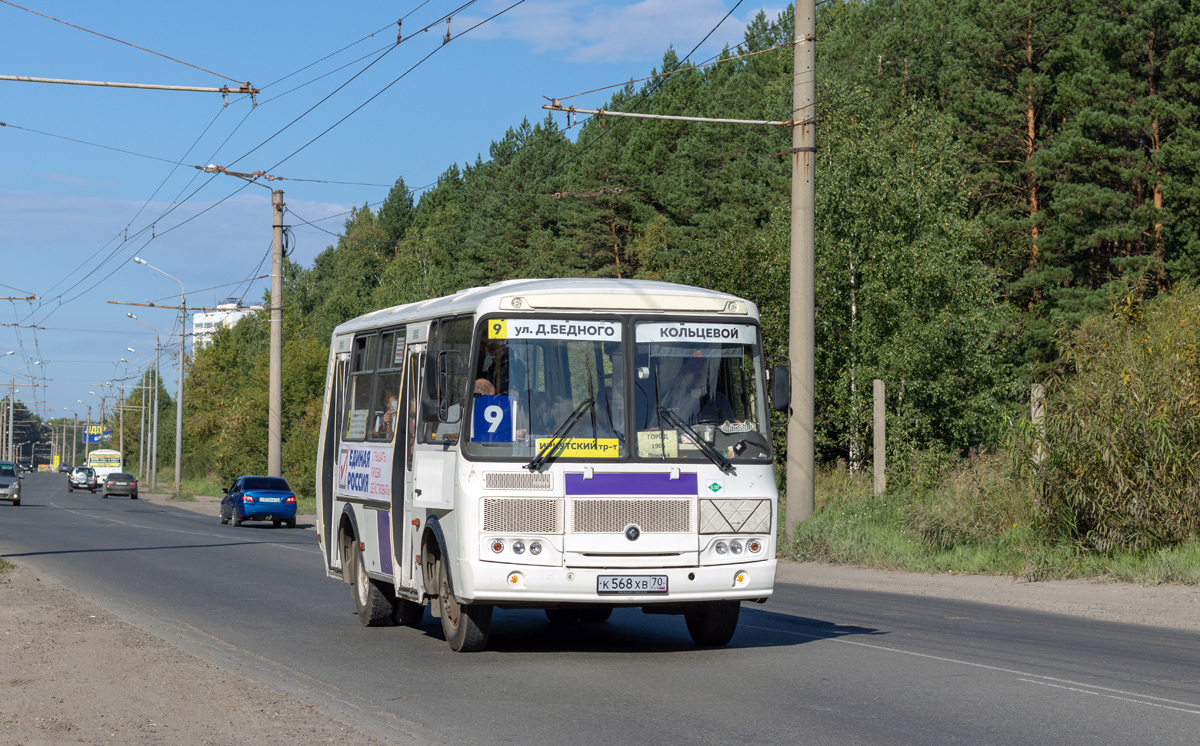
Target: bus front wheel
[[712, 623], [465, 626]]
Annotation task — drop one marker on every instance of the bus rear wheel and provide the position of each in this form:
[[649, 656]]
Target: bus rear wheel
[[374, 607], [712, 623], [465, 626]]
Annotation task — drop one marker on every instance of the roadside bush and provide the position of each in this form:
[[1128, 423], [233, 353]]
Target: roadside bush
[[1122, 463]]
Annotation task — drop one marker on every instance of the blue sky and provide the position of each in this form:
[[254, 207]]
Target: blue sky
[[74, 210]]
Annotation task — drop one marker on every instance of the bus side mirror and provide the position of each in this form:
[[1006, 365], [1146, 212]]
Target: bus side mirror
[[781, 388]]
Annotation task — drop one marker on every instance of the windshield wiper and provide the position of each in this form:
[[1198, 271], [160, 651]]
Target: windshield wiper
[[713, 455], [545, 451]]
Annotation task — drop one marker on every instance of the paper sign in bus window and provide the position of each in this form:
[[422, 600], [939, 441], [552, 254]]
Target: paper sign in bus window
[[581, 447], [493, 419]]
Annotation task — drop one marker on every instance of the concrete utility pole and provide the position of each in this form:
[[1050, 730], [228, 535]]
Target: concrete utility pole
[[275, 396], [880, 431], [802, 318]]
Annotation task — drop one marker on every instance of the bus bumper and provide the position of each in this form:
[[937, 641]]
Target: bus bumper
[[521, 585]]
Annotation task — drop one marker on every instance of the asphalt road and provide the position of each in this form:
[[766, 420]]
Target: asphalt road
[[812, 666]]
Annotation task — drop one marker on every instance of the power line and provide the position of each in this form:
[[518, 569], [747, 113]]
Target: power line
[[112, 38]]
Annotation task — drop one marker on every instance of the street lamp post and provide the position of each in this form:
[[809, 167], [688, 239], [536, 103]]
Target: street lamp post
[[4, 441], [87, 430], [182, 353], [74, 436], [100, 427], [143, 439], [12, 400], [153, 444]]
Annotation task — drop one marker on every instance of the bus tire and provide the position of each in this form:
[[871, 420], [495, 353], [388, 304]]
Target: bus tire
[[374, 607], [712, 623], [465, 626], [407, 613], [595, 614]]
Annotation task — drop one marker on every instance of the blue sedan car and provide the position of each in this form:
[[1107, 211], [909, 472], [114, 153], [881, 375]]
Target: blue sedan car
[[254, 498]]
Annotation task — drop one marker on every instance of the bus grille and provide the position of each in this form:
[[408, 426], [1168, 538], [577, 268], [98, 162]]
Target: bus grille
[[603, 516], [518, 480], [735, 516], [520, 515]]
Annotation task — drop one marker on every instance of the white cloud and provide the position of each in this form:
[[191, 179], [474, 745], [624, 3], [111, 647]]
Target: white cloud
[[639, 31]]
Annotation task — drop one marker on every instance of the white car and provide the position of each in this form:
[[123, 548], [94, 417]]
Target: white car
[[10, 482], [82, 478]]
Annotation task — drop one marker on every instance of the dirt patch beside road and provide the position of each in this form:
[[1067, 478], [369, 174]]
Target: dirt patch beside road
[[71, 672]]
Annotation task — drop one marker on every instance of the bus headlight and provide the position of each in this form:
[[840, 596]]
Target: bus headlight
[[497, 545], [735, 546], [721, 547], [754, 545], [519, 547], [535, 548]]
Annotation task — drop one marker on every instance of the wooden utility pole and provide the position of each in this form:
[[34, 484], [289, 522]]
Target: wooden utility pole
[[802, 313], [275, 397]]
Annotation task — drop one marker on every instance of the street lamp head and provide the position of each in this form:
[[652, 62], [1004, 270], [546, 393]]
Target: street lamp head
[[93, 393], [131, 349], [124, 360], [10, 352], [130, 315], [138, 260]]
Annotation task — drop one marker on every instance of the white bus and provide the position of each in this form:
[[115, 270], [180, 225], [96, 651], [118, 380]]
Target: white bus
[[105, 462], [567, 445]]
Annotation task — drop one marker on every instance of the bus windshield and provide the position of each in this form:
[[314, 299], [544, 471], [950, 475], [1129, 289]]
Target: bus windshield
[[533, 374], [696, 389], [707, 376]]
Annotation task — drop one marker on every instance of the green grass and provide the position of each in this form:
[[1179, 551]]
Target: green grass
[[969, 517], [5, 565], [210, 486]]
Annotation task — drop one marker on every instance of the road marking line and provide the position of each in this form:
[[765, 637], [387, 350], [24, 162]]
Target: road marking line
[[985, 667], [1124, 699]]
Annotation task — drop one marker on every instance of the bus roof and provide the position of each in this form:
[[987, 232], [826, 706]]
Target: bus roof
[[580, 294]]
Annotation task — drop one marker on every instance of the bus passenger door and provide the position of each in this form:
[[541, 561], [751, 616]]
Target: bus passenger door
[[404, 535]]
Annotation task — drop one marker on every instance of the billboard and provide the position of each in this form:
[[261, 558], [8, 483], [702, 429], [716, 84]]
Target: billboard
[[95, 433]]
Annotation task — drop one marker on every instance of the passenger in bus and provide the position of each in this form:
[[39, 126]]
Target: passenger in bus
[[386, 425], [449, 430]]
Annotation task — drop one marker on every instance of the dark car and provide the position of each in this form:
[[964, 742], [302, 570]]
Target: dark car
[[255, 498], [10, 482], [64, 468], [120, 483], [82, 478]]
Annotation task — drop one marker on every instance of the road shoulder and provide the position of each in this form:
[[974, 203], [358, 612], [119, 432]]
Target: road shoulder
[[1166, 605]]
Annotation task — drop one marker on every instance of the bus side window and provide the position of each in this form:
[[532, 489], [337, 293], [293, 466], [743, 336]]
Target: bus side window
[[446, 380], [411, 394], [359, 410], [388, 380]]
